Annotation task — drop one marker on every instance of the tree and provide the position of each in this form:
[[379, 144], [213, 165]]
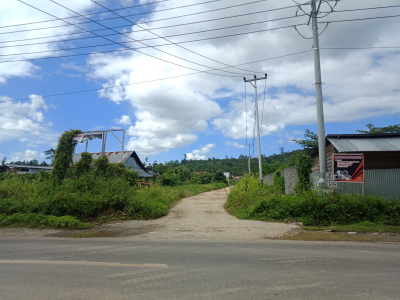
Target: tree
[[379, 130], [63, 155], [50, 154], [310, 141], [282, 150], [33, 162], [3, 162]]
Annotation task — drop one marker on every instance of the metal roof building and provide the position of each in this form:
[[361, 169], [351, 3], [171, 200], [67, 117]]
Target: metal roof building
[[23, 169], [129, 158], [381, 151]]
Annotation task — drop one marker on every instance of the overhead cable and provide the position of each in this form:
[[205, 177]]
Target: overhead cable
[[130, 49], [89, 14], [154, 80], [174, 35], [169, 26], [125, 45], [362, 19], [152, 21], [191, 51], [150, 45]]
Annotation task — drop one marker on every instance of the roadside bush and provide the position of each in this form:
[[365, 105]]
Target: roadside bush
[[278, 181], [168, 179], [86, 198], [246, 200], [204, 178], [83, 165], [303, 169], [40, 220], [220, 177]]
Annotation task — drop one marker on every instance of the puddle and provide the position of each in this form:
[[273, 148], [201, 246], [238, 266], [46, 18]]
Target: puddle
[[91, 234], [342, 236]]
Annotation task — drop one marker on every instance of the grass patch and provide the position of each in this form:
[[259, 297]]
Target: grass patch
[[39, 202], [358, 227], [248, 200], [41, 221]]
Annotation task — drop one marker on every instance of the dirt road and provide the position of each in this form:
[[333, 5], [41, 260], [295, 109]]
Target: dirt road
[[201, 217], [204, 217]]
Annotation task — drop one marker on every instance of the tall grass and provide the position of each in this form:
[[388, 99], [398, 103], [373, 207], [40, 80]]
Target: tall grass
[[85, 199], [248, 200]]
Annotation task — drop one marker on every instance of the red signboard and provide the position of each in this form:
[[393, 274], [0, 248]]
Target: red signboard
[[348, 167]]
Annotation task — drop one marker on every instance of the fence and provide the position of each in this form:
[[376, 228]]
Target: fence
[[290, 176], [385, 182]]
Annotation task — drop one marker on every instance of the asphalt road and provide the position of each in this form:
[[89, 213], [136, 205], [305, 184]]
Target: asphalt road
[[116, 268]]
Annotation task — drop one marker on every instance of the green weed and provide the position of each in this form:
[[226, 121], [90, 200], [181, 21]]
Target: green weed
[[251, 201]]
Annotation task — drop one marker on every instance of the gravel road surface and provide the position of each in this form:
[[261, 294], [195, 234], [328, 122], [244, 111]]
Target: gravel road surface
[[201, 217]]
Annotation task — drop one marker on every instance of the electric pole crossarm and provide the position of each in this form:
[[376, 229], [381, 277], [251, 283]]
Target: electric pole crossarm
[[255, 79]]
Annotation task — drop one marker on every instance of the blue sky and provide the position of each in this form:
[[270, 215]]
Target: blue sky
[[200, 115]]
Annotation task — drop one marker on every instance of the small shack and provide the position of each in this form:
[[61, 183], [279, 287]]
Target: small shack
[[129, 158], [381, 151], [381, 163]]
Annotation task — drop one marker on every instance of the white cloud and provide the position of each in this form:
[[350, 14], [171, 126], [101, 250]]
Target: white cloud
[[25, 121], [200, 154], [125, 120], [168, 114], [14, 12], [279, 141], [235, 144], [27, 155]]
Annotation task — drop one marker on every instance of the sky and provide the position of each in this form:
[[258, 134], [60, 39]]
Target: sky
[[171, 74]]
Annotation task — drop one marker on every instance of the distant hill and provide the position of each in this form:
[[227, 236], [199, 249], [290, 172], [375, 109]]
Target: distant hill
[[236, 166]]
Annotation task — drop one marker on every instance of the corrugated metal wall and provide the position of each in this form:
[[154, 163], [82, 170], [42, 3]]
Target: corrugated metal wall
[[377, 182], [383, 183]]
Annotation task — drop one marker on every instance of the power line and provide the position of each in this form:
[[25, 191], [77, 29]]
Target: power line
[[153, 46], [184, 75], [182, 24], [105, 19], [125, 45], [368, 8], [206, 57], [89, 14], [134, 49], [359, 48], [148, 81], [175, 17], [362, 19], [174, 35]]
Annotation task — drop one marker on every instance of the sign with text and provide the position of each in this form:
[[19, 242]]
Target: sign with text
[[348, 167]]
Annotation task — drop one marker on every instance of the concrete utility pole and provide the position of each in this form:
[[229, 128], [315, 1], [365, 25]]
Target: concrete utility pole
[[257, 122], [318, 88]]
